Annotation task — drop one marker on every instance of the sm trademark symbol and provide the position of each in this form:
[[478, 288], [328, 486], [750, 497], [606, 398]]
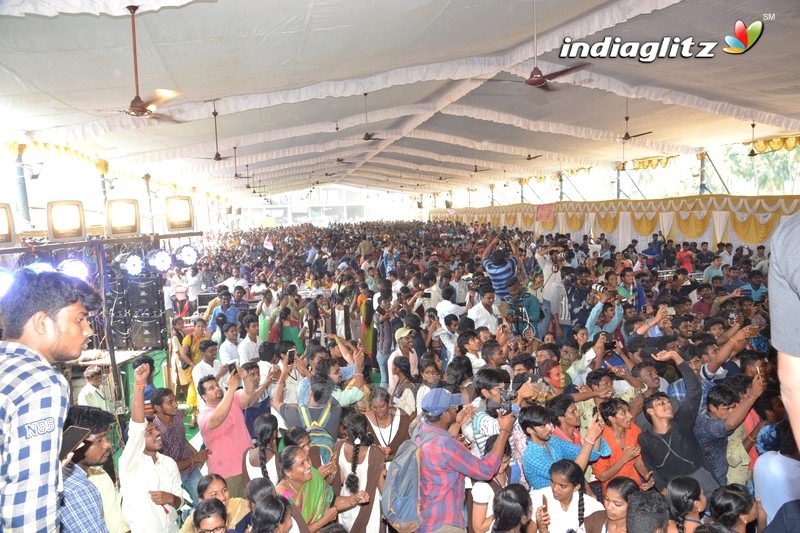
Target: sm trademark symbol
[[769, 16]]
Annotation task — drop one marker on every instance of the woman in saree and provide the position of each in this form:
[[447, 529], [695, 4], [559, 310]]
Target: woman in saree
[[190, 348], [305, 488]]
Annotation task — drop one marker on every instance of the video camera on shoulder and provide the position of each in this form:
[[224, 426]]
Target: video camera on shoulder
[[504, 406]]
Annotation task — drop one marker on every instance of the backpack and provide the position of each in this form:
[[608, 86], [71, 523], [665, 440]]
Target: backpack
[[400, 500], [317, 434]]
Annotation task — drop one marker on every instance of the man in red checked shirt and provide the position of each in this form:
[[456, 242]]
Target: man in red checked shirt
[[445, 461]]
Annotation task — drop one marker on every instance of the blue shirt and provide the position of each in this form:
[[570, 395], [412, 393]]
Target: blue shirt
[[82, 509], [537, 460], [231, 315], [713, 440]]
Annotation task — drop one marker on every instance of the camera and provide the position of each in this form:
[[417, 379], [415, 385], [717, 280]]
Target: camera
[[432, 315], [503, 407], [610, 345], [566, 255]]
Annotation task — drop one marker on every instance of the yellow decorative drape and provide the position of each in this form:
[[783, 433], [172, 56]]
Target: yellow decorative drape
[[763, 214], [693, 226], [751, 230], [645, 226], [607, 222], [47, 149], [778, 143], [575, 221], [654, 162], [528, 219]]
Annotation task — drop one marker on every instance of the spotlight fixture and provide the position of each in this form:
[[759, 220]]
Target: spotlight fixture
[[65, 221], [160, 260], [180, 213], [8, 237], [187, 256], [130, 263], [75, 268], [122, 218]]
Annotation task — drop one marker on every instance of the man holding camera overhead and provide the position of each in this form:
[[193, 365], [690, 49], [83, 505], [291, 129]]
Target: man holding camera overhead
[[549, 260], [500, 267]]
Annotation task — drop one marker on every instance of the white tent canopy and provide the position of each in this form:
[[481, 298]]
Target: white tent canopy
[[288, 80]]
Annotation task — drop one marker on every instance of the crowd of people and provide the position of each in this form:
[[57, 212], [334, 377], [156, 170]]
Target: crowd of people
[[430, 377]]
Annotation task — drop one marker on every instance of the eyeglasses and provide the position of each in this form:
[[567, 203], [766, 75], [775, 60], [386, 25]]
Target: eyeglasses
[[218, 529]]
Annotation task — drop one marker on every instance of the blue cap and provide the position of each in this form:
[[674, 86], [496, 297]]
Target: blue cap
[[437, 401]]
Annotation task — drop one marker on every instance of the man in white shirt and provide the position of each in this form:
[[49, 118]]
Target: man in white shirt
[[92, 394], [485, 314], [228, 350], [248, 347], [469, 343], [405, 347], [448, 306], [460, 285], [150, 481], [236, 280], [194, 282], [208, 366], [396, 283]]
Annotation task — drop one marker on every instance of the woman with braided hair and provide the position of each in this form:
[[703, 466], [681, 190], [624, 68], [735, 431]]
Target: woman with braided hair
[[261, 461], [361, 467], [565, 510], [686, 504]]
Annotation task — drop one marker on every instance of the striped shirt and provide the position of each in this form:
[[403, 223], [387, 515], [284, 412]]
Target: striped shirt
[[33, 405], [500, 274]]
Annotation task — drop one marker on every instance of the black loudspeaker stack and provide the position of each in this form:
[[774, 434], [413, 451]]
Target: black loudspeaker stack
[[137, 320]]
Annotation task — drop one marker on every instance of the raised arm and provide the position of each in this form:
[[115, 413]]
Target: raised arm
[[224, 407]]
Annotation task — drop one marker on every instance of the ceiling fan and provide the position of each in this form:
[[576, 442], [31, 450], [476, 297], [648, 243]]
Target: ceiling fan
[[368, 136], [628, 136], [532, 157], [752, 152], [539, 79], [138, 107], [216, 157], [476, 169]]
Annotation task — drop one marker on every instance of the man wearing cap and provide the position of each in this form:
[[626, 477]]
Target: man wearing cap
[[405, 347], [445, 462]]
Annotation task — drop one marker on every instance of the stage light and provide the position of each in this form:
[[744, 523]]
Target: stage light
[[130, 263], [187, 255], [8, 237], [65, 221], [122, 218], [180, 213], [75, 268], [40, 267], [6, 279], [160, 260]]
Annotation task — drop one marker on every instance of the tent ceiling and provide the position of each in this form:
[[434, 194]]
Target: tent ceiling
[[284, 74]]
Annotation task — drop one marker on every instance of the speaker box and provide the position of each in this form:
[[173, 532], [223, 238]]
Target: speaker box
[[146, 332], [143, 293], [119, 332]]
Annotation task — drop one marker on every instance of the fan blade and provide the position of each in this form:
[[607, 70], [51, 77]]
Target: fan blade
[[531, 158], [639, 135], [216, 157], [161, 97], [558, 74], [165, 118]]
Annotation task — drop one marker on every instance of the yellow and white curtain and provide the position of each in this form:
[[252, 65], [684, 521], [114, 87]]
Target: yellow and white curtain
[[713, 218]]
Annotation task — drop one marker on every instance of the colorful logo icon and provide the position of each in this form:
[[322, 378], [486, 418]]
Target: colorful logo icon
[[743, 38]]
